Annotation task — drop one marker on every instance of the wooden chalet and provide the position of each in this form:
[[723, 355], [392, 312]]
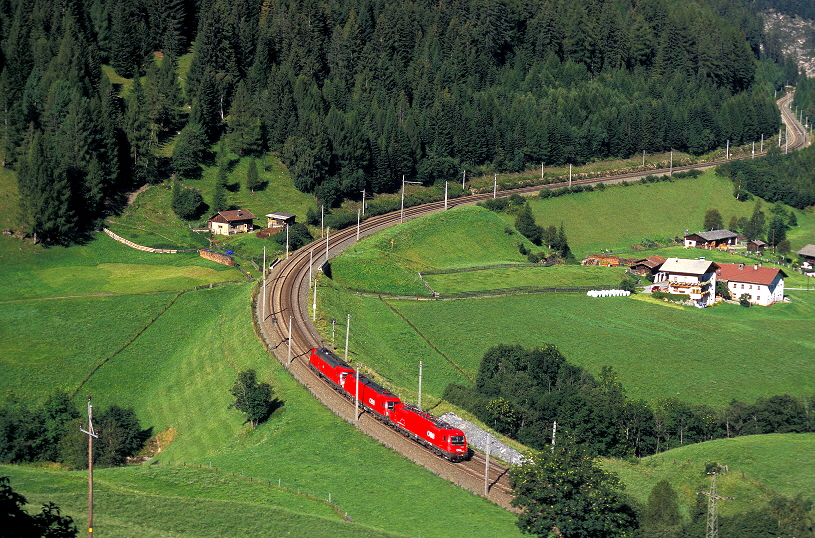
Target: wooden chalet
[[756, 245], [231, 222], [712, 239], [694, 278]]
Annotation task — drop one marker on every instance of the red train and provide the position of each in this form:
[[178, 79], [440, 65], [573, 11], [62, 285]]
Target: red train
[[408, 419]]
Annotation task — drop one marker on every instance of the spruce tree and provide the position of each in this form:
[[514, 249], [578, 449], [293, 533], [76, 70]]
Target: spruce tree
[[252, 179]]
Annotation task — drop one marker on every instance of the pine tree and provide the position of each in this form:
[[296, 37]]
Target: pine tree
[[189, 151], [140, 136], [243, 128], [252, 180], [219, 195], [525, 224]]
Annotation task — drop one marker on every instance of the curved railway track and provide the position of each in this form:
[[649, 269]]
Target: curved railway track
[[285, 324]]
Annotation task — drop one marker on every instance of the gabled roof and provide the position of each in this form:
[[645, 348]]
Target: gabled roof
[[281, 216], [749, 274], [688, 267], [757, 242], [234, 215], [715, 235], [651, 261], [808, 250]]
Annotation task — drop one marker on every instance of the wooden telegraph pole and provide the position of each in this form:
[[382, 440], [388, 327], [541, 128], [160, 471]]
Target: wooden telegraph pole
[[91, 435]]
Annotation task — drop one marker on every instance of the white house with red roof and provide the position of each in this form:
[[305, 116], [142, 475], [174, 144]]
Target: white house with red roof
[[694, 278], [764, 285]]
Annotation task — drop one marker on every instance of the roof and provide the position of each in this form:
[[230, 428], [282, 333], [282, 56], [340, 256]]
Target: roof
[[690, 267], [757, 242], [234, 215], [749, 274], [281, 216], [808, 250], [715, 235], [651, 261]]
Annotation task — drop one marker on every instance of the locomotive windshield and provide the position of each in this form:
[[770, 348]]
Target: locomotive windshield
[[457, 439]]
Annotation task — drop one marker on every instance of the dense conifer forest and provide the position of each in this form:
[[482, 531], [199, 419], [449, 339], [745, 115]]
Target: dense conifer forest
[[354, 94]]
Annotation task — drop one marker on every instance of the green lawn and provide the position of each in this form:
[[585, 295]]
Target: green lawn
[[181, 501], [102, 266], [535, 276]]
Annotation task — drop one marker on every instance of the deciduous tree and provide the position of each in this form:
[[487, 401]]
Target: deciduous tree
[[252, 398]]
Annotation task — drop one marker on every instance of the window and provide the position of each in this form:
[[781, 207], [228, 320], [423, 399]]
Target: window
[[742, 286]]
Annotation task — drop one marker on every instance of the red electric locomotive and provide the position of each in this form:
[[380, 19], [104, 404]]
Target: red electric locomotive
[[431, 431], [331, 367], [419, 425]]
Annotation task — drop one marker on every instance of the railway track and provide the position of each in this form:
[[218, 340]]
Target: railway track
[[286, 324]]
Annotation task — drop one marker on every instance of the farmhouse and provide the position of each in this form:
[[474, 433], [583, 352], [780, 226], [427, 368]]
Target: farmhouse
[[764, 285], [695, 278], [647, 266], [279, 220], [231, 222], [807, 256], [712, 239]]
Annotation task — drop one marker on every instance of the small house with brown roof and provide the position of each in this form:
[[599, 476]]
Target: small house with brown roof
[[647, 266], [756, 245], [712, 239], [807, 254], [231, 222], [763, 285]]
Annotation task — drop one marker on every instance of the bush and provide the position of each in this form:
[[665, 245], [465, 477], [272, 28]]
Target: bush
[[744, 300], [188, 204], [298, 236], [545, 193]]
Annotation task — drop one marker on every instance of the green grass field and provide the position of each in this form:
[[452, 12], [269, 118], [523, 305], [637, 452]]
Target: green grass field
[[177, 375], [595, 221], [759, 466], [535, 276]]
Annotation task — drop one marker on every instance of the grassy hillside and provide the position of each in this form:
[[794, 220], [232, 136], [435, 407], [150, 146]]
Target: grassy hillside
[[620, 217], [177, 374], [759, 466], [181, 501], [389, 261]]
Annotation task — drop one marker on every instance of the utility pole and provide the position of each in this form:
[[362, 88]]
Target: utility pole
[[363, 201], [322, 219], [570, 175], [402, 214], [643, 158], [712, 511], [264, 283], [762, 143], [310, 265], [288, 359], [727, 151], [671, 172], [754, 150], [357, 224], [541, 170], [91, 435], [494, 185], [445, 195], [314, 315], [420, 385], [333, 342], [287, 243], [356, 392], [347, 328], [327, 231], [487, 467], [463, 179]]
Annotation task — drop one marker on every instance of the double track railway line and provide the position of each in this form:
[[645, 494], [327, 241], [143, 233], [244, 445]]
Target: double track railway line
[[286, 324]]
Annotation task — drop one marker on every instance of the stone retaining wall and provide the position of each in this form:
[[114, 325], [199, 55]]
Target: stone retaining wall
[[217, 257], [131, 244]]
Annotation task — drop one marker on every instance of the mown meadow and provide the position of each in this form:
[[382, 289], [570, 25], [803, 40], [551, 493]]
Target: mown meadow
[[173, 356]]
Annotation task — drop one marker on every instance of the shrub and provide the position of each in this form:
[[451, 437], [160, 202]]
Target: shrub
[[744, 300], [187, 203]]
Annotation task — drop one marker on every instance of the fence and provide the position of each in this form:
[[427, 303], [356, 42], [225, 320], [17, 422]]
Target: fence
[[131, 244]]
